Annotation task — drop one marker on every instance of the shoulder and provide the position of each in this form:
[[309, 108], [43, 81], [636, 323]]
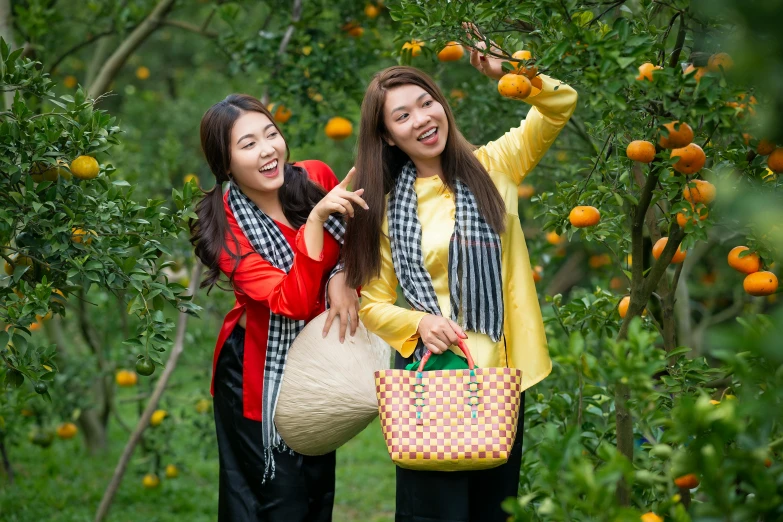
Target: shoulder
[[319, 172]]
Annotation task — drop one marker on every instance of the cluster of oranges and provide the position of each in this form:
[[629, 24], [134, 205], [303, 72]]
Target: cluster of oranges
[[757, 282], [523, 79]]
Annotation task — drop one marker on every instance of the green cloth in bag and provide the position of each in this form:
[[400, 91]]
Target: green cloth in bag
[[448, 360]]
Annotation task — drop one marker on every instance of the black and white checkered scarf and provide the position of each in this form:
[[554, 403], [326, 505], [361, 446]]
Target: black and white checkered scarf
[[268, 240], [475, 280]]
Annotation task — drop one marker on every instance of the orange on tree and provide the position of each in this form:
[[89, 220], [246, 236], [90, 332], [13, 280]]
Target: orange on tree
[[515, 86], [765, 148], [414, 46], [538, 273], [651, 517], [202, 406], [157, 417], [584, 216], [371, 11], [622, 308], [537, 84], [150, 481], [530, 71], [126, 379], [67, 430], [525, 191], [46, 317], [338, 128], [599, 260], [85, 167], [699, 191], [760, 283], [457, 94], [646, 71], [70, 81], [16, 260], [659, 245], [746, 264], [688, 481], [680, 135], [79, 235], [451, 53], [700, 72], [190, 178], [616, 283], [171, 471], [775, 160], [280, 113], [353, 29], [697, 213], [720, 61], [641, 151], [553, 238], [692, 159], [142, 73]]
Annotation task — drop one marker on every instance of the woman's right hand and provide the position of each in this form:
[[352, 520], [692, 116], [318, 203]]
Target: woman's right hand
[[438, 333], [339, 199]]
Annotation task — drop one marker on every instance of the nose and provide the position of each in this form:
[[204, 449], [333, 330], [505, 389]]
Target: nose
[[421, 119], [266, 149]]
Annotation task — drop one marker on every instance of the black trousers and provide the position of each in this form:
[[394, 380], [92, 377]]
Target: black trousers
[[459, 496], [303, 487]]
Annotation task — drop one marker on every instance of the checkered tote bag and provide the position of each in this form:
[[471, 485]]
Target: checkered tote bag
[[449, 420]]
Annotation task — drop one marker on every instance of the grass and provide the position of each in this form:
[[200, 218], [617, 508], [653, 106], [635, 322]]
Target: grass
[[63, 483]]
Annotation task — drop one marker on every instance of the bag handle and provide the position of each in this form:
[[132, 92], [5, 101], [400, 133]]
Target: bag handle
[[462, 346]]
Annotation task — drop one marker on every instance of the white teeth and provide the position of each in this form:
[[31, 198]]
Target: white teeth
[[270, 166], [428, 134]]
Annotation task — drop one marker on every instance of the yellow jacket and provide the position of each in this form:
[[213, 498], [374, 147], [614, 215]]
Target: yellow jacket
[[508, 160]]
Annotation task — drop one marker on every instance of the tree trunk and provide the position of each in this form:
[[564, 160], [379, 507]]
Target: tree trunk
[[9, 471], [160, 386]]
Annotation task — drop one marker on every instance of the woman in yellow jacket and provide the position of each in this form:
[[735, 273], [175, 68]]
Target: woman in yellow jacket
[[442, 223]]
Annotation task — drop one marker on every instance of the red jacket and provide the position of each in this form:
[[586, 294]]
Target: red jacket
[[260, 288]]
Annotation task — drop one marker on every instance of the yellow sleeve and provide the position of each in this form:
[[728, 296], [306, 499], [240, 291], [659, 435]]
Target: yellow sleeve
[[520, 149], [394, 324]]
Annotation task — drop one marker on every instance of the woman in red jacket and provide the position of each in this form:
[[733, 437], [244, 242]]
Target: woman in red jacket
[[274, 235]]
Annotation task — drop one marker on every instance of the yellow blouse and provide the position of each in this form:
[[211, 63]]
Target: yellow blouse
[[508, 160]]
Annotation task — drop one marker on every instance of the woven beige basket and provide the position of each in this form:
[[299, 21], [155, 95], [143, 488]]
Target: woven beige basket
[[328, 392]]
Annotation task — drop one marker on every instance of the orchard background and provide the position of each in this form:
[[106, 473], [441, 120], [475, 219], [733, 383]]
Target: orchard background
[[666, 406]]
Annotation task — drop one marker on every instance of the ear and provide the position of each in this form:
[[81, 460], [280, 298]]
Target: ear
[[388, 140]]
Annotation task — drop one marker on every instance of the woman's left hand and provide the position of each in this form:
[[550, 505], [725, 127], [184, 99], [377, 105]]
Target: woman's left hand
[[343, 302], [489, 66]]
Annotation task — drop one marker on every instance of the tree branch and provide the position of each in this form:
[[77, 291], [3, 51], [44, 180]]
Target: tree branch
[[76, 47], [130, 44]]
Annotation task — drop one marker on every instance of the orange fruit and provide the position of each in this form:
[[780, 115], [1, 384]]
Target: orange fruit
[[688, 481], [190, 178], [765, 148], [646, 71], [538, 273], [642, 151], [338, 128], [150, 481], [370, 11], [651, 517], [700, 72], [281, 113], [597, 261], [70, 82], [203, 405], [171, 471], [85, 167], [353, 29], [414, 46], [537, 84], [695, 214], [720, 61], [699, 191], [457, 94], [157, 417], [691, 160], [451, 53], [584, 216], [616, 283], [525, 191], [530, 71], [746, 264], [761, 283], [79, 235], [126, 378], [142, 73], [16, 259], [622, 308], [67, 430], [659, 245], [553, 238], [768, 462], [680, 135], [775, 161], [515, 86]]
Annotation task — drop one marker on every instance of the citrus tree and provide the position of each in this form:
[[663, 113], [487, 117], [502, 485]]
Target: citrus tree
[[666, 157]]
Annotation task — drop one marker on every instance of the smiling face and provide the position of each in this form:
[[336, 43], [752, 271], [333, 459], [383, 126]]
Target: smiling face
[[416, 122], [258, 153]]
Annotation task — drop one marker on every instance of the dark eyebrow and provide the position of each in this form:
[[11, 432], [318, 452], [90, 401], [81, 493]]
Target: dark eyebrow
[[251, 135], [422, 95]]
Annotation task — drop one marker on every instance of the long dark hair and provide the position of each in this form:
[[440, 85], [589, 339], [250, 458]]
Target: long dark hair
[[378, 165], [209, 234]]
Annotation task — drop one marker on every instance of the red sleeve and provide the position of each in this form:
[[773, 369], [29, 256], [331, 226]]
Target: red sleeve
[[294, 294], [320, 172]]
